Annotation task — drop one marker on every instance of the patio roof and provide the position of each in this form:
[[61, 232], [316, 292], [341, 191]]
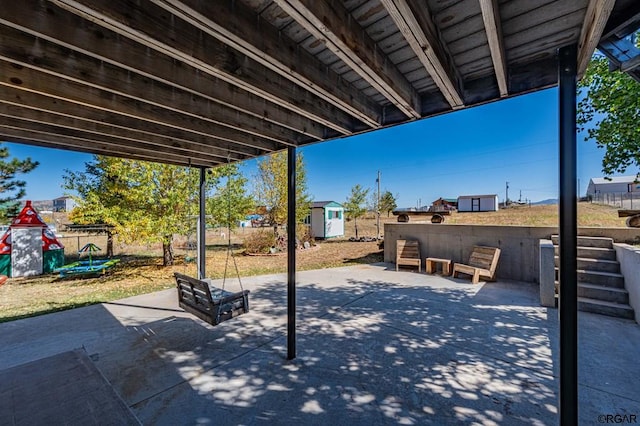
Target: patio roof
[[203, 83]]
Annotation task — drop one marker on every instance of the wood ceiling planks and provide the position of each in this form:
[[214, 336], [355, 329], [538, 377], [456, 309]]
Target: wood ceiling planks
[[197, 82]]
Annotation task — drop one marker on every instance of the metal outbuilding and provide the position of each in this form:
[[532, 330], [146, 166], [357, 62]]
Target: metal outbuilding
[[478, 203], [613, 185]]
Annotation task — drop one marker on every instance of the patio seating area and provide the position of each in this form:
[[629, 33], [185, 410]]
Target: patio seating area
[[375, 346]]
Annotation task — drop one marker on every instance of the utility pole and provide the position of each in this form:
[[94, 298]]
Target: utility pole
[[506, 198], [378, 208], [578, 188]]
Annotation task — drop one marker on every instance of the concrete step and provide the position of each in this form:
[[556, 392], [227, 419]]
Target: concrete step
[[598, 292], [593, 253], [606, 294], [595, 264], [605, 308], [605, 279], [601, 242]]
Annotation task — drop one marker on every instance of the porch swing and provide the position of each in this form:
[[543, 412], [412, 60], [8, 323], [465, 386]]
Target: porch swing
[[211, 304]]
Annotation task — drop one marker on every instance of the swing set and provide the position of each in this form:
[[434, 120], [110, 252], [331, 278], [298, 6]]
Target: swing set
[[211, 304]]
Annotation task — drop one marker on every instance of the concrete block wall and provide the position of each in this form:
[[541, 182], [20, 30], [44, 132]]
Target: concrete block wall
[[520, 247], [629, 258]]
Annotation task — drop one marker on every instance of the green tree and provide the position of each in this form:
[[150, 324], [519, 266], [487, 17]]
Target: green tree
[[229, 202], [610, 112], [354, 206], [12, 189], [144, 201], [388, 202], [270, 188]]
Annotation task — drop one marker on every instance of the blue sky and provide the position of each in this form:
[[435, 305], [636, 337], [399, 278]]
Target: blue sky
[[474, 151]]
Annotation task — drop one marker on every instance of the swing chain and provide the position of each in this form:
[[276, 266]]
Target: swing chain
[[229, 251]]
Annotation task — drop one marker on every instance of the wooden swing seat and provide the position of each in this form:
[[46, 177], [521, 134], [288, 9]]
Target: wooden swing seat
[[210, 304]]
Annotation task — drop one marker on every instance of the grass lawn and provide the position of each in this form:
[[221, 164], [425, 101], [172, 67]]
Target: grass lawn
[[140, 270]]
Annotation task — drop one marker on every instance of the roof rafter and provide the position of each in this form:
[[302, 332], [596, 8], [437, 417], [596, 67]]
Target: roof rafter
[[630, 65], [79, 35], [595, 21], [106, 77], [181, 138], [118, 143], [29, 79], [265, 44], [493, 28], [349, 42], [159, 143], [53, 138], [185, 43], [418, 31]]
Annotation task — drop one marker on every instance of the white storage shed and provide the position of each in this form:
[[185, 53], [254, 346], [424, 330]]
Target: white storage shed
[[327, 219], [478, 203]]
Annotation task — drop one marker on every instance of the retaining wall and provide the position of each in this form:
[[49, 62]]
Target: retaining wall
[[520, 255], [629, 258]]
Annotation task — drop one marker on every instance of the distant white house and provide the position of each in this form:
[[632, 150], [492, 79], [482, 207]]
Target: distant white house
[[613, 185], [63, 204], [326, 219], [478, 203]]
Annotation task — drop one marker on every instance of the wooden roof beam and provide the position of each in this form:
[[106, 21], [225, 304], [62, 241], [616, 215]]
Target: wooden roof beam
[[41, 55], [149, 25], [631, 64], [178, 137], [55, 139], [332, 24], [77, 34], [417, 30], [265, 44], [28, 79], [128, 136], [595, 20], [42, 141], [619, 26], [493, 28], [116, 143]]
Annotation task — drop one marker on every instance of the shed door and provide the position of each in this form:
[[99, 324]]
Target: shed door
[[475, 204], [26, 252]]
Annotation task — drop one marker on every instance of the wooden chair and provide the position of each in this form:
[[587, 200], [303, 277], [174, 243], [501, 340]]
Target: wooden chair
[[408, 253], [482, 263]]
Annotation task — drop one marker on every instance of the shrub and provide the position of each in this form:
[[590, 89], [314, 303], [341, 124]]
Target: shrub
[[260, 241], [304, 234]]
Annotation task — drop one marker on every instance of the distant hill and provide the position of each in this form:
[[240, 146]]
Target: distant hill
[[546, 202]]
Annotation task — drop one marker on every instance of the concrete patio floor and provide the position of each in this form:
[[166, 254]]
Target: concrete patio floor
[[374, 347]]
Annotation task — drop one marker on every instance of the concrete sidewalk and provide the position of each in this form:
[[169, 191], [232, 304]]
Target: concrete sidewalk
[[375, 346]]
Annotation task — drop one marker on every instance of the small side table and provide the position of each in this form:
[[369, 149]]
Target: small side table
[[432, 262]]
